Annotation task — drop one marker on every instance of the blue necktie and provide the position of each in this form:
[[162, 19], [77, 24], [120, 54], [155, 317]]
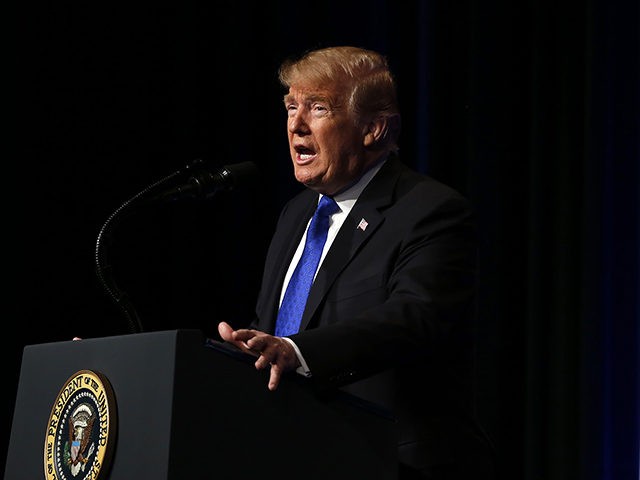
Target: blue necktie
[[295, 297]]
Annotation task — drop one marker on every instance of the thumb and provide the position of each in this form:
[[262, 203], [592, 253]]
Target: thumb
[[225, 331]]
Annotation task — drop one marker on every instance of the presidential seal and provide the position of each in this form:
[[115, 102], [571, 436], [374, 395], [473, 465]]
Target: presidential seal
[[81, 432]]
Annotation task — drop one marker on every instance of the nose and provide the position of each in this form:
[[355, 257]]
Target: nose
[[297, 123]]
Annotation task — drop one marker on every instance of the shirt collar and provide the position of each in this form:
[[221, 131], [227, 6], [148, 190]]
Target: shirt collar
[[347, 199]]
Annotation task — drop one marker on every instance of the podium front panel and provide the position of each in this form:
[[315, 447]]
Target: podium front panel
[[185, 410]]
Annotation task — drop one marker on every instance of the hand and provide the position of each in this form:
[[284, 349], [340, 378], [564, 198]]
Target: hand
[[271, 351]]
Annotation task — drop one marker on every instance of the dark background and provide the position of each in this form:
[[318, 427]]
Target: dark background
[[531, 109]]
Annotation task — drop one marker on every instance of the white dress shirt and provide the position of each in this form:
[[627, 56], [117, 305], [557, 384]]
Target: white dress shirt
[[345, 200]]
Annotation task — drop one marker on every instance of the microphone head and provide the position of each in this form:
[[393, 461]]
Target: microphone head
[[204, 183], [207, 183], [243, 173]]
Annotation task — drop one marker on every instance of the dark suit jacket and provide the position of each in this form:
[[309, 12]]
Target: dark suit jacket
[[390, 314]]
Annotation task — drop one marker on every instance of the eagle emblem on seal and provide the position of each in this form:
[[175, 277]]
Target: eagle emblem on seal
[[79, 448]]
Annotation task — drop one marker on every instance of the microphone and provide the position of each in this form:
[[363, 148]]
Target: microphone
[[205, 183], [202, 183]]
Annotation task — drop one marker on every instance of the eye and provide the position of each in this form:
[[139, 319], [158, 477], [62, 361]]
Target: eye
[[291, 109], [319, 109]]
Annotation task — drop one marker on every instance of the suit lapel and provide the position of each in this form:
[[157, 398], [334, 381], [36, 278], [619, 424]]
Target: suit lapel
[[362, 222]]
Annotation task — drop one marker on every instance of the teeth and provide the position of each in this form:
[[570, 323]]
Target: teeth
[[305, 156]]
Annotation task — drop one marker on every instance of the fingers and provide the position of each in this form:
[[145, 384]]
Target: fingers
[[276, 353], [271, 351], [274, 377], [237, 337], [274, 374]]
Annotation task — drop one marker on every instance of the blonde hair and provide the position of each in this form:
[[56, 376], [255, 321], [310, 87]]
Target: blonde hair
[[364, 76]]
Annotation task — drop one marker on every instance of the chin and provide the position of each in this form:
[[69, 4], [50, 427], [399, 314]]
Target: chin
[[304, 176], [311, 181]]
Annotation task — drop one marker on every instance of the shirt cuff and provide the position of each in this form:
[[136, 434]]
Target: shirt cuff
[[303, 369]]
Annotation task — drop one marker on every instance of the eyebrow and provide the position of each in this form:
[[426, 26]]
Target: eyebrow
[[307, 98]]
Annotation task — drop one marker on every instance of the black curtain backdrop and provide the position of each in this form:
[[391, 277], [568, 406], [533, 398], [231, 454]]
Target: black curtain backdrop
[[531, 109]]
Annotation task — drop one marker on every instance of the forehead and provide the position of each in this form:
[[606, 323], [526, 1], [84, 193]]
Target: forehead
[[307, 93]]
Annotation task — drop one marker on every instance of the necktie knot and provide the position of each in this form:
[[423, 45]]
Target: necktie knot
[[327, 206]]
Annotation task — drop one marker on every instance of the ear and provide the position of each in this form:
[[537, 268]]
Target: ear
[[380, 130], [374, 131]]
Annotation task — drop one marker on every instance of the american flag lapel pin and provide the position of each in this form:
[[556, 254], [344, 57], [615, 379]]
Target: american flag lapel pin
[[363, 225]]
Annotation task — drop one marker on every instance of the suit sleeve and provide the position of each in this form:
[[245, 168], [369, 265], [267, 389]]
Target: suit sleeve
[[425, 255]]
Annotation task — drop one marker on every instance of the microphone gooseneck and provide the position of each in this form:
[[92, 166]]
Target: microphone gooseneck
[[201, 184], [104, 271]]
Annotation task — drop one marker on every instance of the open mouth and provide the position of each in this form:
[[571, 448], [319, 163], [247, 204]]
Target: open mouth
[[304, 154]]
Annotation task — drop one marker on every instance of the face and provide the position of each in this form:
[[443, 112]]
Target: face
[[325, 141]]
